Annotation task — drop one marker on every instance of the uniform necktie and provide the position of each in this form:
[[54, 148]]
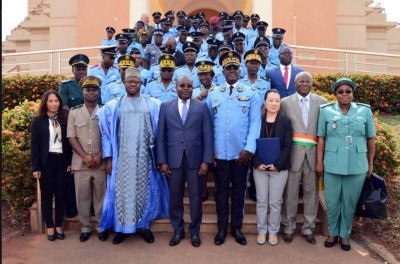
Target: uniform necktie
[[184, 111], [286, 76], [231, 89], [304, 111]]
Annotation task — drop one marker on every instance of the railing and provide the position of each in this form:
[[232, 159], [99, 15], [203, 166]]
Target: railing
[[313, 59]]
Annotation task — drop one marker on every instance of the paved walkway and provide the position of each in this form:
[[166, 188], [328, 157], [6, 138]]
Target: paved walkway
[[37, 249]]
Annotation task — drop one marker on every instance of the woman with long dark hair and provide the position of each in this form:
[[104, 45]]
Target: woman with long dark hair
[[51, 159]]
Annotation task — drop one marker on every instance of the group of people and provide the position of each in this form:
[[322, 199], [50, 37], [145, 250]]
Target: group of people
[[136, 142]]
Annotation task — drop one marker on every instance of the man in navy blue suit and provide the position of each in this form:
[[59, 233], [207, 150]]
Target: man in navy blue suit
[[184, 149], [282, 77]]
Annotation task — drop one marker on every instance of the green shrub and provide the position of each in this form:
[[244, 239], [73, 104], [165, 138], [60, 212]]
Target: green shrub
[[382, 92], [18, 186], [26, 87]]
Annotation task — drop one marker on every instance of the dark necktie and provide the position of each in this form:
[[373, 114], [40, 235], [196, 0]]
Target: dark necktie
[[231, 89]]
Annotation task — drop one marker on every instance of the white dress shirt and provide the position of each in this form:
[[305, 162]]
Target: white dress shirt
[[180, 105]]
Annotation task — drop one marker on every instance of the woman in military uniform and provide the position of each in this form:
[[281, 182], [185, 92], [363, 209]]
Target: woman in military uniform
[[345, 153]]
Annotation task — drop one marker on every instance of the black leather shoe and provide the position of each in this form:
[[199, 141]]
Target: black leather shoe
[[329, 244], [148, 236], [60, 236], [195, 240], [84, 237], [119, 238], [310, 238], [176, 239], [343, 246], [51, 237], [203, 199], [239, 237], [288, 238], [103, 236], [220, 238]]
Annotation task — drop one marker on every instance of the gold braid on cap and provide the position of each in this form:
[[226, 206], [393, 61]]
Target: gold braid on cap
[[253, 56], [126, 64], [166, 63], [203, 67], [231, 60], [90, 82]]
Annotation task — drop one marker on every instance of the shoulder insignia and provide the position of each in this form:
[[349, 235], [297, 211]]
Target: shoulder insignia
[[327, 104], [252, 88], [258, 78], [119, 81], [76, 107], [173, 81], [202, 88], [212, 87], [240, 89], [367, 105], [223, 89], [246, 78], [159, 80]]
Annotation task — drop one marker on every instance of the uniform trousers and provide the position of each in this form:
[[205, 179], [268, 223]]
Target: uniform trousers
[[176, 192], [341, 196], [309, 181], [270, 186], [53, 183], [227, 172], [90, 187]]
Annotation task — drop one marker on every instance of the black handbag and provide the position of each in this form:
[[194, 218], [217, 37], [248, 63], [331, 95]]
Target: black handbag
[[372, 201]]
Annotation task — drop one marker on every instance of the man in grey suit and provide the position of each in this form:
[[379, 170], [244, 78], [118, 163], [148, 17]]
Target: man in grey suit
[[184, 149], [302, 108]]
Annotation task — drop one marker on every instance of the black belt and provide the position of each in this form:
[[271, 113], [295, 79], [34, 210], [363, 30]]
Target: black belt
[[55, 153]]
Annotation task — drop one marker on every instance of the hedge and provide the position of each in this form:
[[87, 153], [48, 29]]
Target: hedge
[[382, 92]]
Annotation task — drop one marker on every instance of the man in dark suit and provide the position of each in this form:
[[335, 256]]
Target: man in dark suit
[[184, 149], [282, 77]]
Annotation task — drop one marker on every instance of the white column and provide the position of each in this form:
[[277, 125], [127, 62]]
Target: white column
[[136, 9], [264, 9]]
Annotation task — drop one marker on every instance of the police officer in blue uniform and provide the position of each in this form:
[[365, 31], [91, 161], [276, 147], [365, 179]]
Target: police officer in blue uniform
[[152, 52], [164, 88], [156, 19], [105, 70], [109, 41], [262, 44], [277, 38], [190, 51], [117, 89], [236, 116], [122, 40], [252, 79], [206, 74], [212, 55]]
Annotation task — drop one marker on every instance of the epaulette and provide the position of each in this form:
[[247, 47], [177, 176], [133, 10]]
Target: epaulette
[[76, 107], [159, 80], [259, 78], [252, 88], [119, 81], [327, 104], [245, 78], [212, 88], [173, 81], [367, 105], [149, 81], [65, 81]]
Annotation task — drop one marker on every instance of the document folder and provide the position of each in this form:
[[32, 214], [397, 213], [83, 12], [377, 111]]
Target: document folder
[[268, 150]]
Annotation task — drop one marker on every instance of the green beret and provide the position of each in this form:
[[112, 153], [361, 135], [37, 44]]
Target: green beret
[[341, 81]]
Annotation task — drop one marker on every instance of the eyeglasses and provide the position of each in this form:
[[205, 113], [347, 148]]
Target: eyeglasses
[[232, 68], [263, 48], [166, 69], [344, 91]]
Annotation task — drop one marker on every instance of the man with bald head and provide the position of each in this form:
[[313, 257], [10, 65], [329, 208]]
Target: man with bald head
[[184, 150], [302, 108]]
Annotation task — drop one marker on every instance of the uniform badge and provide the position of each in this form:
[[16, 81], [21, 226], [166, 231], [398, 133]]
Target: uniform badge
[[215, 110], [223, 89], [334, 125], [244, 109], [243, 98], [240, 89]]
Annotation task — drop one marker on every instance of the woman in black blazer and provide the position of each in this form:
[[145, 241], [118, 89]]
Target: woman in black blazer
[[270, 179], [51, 158]]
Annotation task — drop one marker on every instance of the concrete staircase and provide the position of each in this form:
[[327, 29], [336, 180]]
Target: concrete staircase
[[209, 223]]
